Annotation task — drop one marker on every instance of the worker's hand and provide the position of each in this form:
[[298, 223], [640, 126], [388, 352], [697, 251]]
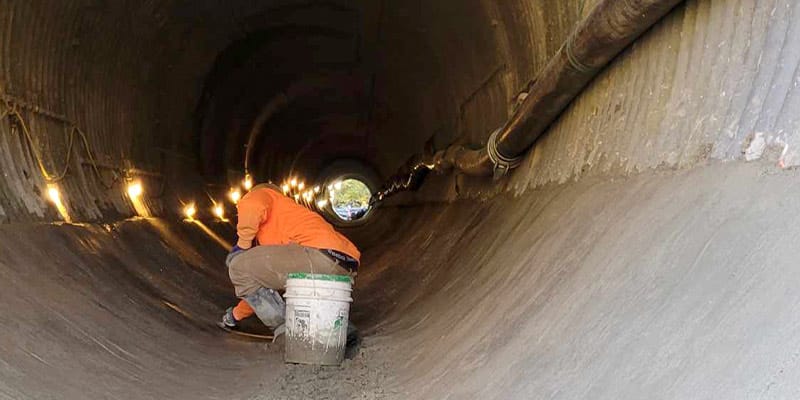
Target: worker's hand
[[235, 251]]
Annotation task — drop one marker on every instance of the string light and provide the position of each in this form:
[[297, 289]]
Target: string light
[[219, 211], [53, 194], [55, 197], [189, 211], [235, 195], [135, 190], [248, 182], [306, 194]]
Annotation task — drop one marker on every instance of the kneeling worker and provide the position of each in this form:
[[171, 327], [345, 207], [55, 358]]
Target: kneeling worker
[[290, 238]]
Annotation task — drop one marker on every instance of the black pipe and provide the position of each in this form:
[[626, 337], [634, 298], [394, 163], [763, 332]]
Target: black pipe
[[611, 27]]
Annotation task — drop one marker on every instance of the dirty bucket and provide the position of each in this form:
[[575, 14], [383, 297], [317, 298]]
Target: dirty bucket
[[317, 312]]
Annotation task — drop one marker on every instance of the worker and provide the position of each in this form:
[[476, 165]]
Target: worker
[[277, 237]]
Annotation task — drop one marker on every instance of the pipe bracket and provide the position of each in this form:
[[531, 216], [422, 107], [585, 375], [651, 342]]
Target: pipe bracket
[[501, 163]]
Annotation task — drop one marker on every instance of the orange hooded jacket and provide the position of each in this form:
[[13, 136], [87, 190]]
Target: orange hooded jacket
[[274, 219]]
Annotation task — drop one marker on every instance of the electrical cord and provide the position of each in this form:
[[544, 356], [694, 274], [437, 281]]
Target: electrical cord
[[13, 111]]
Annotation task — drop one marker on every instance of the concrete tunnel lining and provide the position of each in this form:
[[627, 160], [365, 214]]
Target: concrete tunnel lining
[[643, 249]]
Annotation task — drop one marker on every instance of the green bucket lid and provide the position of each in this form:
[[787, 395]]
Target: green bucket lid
[[320, 277]]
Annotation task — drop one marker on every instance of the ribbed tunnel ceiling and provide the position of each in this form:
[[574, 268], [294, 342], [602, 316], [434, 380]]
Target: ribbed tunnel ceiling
[[374, 81], [300, 86], [176, 87]]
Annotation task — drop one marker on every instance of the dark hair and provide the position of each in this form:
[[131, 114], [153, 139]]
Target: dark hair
[[267, 186]]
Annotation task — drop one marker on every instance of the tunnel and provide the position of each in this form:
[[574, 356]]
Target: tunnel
[[640, 242]]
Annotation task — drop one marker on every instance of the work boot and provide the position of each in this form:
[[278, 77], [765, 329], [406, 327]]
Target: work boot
[[228, 321]]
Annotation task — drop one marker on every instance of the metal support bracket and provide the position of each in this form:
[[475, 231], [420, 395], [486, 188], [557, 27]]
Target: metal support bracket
[[502, 164]]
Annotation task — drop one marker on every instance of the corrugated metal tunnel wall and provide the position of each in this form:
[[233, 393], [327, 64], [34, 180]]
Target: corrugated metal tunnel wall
[[135, 72], [644, 249]]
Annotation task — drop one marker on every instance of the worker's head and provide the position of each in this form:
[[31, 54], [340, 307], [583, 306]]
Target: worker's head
[[267, 186]]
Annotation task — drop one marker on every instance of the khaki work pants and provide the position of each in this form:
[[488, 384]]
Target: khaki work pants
[[268, 266]]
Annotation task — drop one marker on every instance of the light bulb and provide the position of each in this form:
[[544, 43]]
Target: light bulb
[[55, 197], [248, 182], [54, 194], [219, 211], [135, 189], [190, 210], [235, 195]]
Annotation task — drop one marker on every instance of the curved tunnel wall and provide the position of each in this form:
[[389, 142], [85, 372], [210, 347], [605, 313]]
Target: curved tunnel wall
[[714, 81], [64, 59], [425, 84], [647, 250], [636, 253]]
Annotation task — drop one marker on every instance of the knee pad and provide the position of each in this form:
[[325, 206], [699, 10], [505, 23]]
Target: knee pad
[[269, 306]]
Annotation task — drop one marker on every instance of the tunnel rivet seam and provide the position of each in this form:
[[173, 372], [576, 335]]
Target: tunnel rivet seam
[[569, 44]]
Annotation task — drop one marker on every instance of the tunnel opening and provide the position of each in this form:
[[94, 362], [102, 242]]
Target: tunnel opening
[[350, 199], [644, 247]]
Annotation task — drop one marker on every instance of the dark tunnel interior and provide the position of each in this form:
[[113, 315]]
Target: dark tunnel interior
[[304, 109], [643, 247]]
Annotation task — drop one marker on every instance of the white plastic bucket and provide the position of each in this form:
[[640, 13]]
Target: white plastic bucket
[[317, 314]]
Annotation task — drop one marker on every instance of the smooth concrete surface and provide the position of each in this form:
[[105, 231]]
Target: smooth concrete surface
[[667, 285], [128, 311], [671, 284], [116, 311]]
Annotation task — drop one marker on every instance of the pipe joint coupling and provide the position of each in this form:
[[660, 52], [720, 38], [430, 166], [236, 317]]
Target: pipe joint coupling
[[502, 164]]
